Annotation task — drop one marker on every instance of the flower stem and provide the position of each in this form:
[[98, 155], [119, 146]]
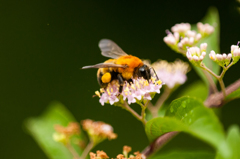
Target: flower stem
[[219, 78], [87, 149], [73, 151], [143, 115], [208, 70], [135, 114]]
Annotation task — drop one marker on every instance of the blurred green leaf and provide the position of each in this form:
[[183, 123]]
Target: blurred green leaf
[[191, 116], [184, 155], [233, 140], [234, 95], [42, 129], [211, 18], [196, 89]]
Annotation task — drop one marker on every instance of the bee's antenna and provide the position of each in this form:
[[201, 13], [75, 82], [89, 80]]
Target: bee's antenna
[[154, 72]]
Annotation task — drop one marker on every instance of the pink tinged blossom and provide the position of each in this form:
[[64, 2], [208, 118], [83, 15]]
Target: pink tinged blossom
[[191, 33], [219, 57], [181, 28], [147, 96], [198, 37], [205, 28], [171, 73], [171, 39], [195, 54], [203, 47], [234, 47], [229, 56], [212, 55], [236, 52]]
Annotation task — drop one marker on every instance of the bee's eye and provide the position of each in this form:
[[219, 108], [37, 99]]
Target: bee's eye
[[142, 69], [144, 72]]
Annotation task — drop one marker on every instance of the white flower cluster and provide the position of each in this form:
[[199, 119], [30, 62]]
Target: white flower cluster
[[139, 89], [221, 59], [183, 37]]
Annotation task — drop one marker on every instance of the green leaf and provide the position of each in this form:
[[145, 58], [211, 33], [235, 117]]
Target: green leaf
[[184, 155], [211, 18], [233, 140], [191, 116], [42, 129], [196, 89], [233, 95]]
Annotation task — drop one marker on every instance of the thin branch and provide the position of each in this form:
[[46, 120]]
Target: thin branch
[[158, 143], [154, 109], [213, 87], [217, 99], [163, 97]]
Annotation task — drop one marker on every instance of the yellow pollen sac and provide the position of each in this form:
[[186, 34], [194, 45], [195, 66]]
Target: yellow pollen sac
[[137, 84], [111, 90], [108, 92], [158, 82], [98, 93], [106, 78], [146, 83], [132, 86], [102, 90], [126, 93], [153, 79], [126, 90]]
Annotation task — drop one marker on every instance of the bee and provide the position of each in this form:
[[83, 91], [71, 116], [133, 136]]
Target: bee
[[121, 66]]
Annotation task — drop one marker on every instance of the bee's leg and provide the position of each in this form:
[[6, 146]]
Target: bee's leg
[[121, 82]]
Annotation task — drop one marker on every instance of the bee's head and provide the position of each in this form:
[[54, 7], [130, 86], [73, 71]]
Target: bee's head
[[144, 72]]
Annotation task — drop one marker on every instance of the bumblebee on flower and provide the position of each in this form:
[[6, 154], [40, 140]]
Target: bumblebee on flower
[[124, 77]]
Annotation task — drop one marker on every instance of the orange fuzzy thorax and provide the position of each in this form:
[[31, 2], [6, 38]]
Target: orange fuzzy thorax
[[132, 62]]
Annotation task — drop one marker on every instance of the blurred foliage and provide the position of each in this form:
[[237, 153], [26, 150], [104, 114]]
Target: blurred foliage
[[42, 129]]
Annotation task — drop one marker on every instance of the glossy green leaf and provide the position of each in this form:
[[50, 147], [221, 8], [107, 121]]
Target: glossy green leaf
[[191, 116], [42, 129], [196, 89], [234, 95], [211, 18], [184, 155]]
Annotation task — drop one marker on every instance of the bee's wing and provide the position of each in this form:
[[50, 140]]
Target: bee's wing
[[110, 49], [104, 65]]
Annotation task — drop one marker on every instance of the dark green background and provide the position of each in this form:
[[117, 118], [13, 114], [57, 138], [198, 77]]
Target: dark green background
[[44, 43]]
